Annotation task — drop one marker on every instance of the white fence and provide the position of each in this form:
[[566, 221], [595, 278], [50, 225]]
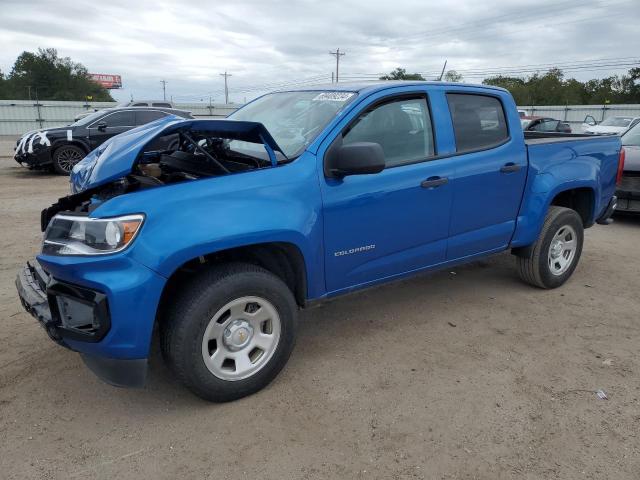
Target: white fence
[[575, 114], [19, 116]]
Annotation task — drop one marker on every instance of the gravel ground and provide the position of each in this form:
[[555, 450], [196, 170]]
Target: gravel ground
[[464, 374]]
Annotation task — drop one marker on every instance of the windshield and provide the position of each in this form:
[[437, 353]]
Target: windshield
[[294, 119], [88, 119], [616, 122], [632, 137]]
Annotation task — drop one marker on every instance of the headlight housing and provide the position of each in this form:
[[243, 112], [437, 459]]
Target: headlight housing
[[80, 235]]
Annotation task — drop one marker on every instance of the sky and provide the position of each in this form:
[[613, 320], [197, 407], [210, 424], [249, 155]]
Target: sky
[[267, 45]]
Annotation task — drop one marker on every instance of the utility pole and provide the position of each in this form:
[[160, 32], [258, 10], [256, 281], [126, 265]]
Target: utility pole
[[337, 54], [442, 72], [164, 89], [226, 88]]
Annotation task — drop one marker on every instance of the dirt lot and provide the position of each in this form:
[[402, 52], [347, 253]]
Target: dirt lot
[[465, 374]]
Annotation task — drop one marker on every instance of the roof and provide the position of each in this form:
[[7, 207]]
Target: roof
[[368, 87]]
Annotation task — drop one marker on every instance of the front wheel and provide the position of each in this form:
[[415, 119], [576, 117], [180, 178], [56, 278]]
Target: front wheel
[[230, 332], [65, 157], [551, 260]]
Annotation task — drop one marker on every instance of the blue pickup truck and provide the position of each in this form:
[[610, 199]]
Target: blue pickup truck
[[298, 197]]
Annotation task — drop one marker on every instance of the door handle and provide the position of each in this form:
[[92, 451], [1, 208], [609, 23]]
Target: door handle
[[433, 182], [510, 167]]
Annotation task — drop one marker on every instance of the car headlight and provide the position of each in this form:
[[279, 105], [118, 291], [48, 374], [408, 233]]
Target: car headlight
[[80, 235]]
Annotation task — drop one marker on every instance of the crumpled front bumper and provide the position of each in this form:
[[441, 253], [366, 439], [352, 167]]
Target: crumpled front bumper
[[39, 158], [109, 326]]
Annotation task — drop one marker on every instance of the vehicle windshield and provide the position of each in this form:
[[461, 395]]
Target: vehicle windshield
[[616, 122], [294, 119], [88, 119], [632, 137]]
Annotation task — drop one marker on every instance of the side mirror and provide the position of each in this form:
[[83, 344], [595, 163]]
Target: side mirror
[[102, 126], [589, 120], [354, 159]]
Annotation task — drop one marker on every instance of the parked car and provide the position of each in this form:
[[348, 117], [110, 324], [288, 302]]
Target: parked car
[[612, 125], [300, 196], [132, 103], [628, 191], [544, 124], [60, 148]]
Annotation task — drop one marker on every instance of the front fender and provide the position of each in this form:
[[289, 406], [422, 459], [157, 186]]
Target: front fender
[[186, 220]]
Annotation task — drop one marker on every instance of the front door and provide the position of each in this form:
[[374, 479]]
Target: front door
[[381, 225], [109, 126]]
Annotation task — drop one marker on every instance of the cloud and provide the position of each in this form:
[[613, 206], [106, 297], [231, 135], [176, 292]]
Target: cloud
[[189, 43]]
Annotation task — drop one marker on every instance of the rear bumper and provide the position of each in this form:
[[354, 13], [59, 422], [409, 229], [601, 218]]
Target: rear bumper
[[105, 312], [628, 194]]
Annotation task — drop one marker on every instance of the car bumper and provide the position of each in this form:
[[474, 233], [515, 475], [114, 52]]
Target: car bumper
[[103, 309], [628, 194], [37, 159]]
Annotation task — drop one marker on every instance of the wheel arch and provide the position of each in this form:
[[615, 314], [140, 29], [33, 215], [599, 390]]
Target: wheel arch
[[76, 143], [580, 199], [283, 259]]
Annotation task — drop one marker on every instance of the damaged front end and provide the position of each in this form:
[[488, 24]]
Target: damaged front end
[[165, 152]]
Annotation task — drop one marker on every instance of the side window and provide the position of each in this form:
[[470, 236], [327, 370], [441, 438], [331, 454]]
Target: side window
[[118, 119], [478, 121], [401, 127], [546, 126], [146, 116], [143, 104], [160, 104]]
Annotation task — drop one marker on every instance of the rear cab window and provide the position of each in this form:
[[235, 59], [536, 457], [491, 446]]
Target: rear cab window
[[479, 122]]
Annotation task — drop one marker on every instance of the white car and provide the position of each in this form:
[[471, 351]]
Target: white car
[[616, 125]]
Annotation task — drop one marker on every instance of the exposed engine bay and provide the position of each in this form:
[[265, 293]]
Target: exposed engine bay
[[196, 155], [190, 155]]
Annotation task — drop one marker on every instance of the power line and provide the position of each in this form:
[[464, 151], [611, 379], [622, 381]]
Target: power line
[[337, 54]]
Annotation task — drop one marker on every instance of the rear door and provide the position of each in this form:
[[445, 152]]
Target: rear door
[[114, 124], [381, 225], [491, 170]]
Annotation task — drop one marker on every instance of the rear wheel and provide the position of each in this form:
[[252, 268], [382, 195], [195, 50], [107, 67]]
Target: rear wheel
[[551, 260], [230, 332], [65, 157]]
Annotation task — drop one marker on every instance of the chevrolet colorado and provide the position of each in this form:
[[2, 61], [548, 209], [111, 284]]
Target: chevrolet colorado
[[298, 197]]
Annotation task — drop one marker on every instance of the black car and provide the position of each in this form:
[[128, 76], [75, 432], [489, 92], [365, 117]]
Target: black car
[[544, 124], [61, 148]]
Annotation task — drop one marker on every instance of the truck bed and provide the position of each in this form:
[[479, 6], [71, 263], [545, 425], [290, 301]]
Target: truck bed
[[536, 138]]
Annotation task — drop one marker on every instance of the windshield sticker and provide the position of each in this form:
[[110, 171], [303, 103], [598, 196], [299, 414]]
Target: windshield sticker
[[333, 97]]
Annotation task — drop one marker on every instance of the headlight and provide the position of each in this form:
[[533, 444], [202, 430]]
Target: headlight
[[79, 235]]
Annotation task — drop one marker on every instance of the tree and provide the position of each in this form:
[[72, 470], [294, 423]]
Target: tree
[[452, 76], [50, 77], [551, 88], [401, 74]]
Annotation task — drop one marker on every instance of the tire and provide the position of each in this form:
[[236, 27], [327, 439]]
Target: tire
[[65, 157], [546, 263], [202, 324]]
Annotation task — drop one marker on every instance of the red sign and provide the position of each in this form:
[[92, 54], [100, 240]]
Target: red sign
[[107, 81]]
